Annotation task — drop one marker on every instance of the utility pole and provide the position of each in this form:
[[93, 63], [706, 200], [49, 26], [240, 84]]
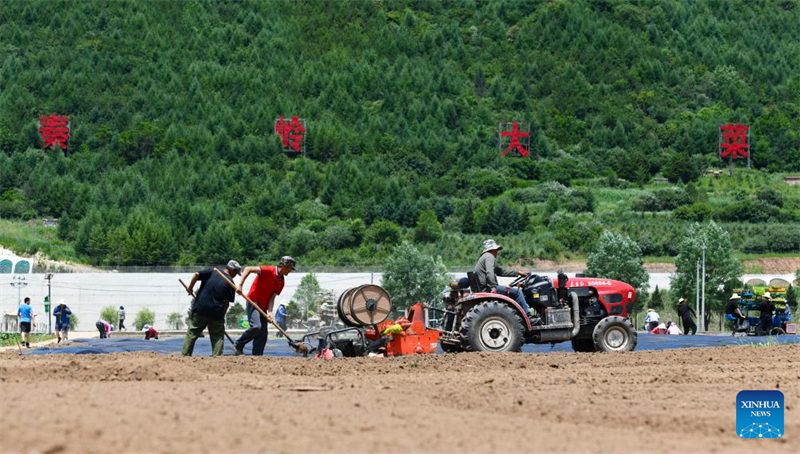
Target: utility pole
[[18, 282], [703, 306], [697, 291], [49, 304]]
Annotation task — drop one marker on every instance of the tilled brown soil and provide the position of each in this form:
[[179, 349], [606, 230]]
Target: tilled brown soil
[[649, 401]]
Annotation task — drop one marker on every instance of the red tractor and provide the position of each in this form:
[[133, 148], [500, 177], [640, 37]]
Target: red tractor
[[591, 313]]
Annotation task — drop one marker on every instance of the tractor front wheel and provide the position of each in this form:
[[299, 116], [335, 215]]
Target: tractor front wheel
[[614, 334], [492, 327]]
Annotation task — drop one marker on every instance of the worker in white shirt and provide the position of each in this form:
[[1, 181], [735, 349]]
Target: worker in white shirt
[[651, 319]]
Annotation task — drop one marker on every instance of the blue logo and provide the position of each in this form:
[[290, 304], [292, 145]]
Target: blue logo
[[759, 414]]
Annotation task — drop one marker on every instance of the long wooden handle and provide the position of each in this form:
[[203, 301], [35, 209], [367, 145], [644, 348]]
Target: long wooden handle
[[191, 292], [255, 306]]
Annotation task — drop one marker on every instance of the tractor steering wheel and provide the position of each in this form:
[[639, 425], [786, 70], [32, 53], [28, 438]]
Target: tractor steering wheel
[[518, 280]]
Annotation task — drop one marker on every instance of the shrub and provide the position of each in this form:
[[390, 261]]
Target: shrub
[[235, 312], [311, 209], [175, 320], [770, 196], [774, 238], [337, 236], [73, 322], [428, 228], [384, 232], [411, 276], [618, 257], [662, 200], [486, 182], [144, 317], [696, 212], [746, 210], [301, 240], [110, 314]]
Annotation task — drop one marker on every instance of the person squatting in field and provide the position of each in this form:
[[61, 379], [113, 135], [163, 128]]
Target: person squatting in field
[[104, 328]]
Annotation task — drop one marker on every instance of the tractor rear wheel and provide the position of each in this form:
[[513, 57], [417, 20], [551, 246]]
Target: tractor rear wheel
[[614, 334], [583, 345], [492, 327]]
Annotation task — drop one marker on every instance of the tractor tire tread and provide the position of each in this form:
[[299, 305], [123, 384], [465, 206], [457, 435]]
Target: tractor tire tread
[[602, 325], [469, 320]]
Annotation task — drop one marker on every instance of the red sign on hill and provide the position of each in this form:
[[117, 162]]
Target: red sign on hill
[[518, 142], [292, 134], [54, 131], [734, 141]]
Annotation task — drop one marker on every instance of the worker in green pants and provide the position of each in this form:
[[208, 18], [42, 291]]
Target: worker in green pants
[[209, 307]]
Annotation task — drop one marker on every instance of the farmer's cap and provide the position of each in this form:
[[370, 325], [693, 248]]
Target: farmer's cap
[[61, 302], [491, 245], [768, 296], [234, 265], [286, 260], [650, 310], [736, 296], [682, 300]]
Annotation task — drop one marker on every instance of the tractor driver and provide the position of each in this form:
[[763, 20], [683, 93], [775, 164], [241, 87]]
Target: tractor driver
[[487, 271]]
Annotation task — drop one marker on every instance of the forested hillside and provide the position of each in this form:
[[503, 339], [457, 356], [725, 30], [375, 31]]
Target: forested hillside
[[173, 157]]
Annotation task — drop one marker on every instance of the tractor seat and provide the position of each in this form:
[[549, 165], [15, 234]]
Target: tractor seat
[[474, 284]]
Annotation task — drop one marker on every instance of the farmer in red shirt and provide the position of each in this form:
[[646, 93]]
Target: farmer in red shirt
[[268, 284]]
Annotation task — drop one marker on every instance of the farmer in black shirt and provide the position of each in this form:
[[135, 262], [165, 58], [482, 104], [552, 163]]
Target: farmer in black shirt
[[685, 311], [767, 309], [732, 311], [209, 307]]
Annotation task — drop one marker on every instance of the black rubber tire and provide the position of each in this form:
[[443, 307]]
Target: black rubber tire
[[451, 348], [777, 331], [508, 328], [583, 345], [614, 325]]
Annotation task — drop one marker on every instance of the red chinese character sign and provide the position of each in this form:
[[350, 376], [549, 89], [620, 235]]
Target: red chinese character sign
[[512, 141], [292, 134], [54, 131], [734, 142]]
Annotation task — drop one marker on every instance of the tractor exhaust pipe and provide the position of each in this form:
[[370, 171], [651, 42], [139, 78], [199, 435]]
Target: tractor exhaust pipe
[[561, 335]]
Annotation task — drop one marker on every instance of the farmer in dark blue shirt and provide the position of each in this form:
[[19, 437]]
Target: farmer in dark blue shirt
[[280, 317], [62, 313]]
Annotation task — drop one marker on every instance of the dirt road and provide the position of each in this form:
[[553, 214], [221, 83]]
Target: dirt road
[[649, 401]]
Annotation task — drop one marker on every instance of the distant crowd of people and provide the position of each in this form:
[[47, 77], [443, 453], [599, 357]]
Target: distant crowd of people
[[654, 326], [768, 317]]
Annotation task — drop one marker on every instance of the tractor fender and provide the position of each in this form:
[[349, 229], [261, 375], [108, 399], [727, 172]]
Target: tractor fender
[[482, 297]]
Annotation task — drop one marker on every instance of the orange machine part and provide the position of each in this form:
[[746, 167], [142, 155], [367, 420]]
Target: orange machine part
[[414, 339]]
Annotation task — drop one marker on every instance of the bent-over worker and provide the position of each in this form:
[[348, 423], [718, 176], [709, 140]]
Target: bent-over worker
[[268, 284], [209, 307]]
